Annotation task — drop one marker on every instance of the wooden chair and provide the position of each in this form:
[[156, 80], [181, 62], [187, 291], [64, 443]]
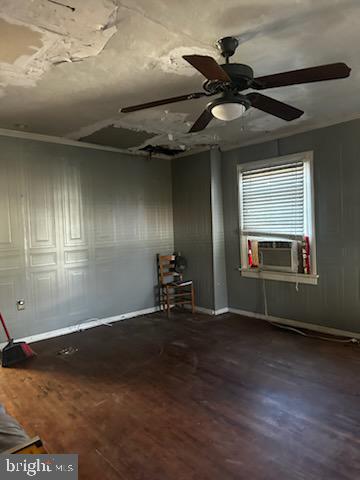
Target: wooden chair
[[173, 290]]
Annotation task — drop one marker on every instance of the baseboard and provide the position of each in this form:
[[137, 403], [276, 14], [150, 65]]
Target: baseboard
[[221, 311], [92, 323], [208, 311], [296, 323]]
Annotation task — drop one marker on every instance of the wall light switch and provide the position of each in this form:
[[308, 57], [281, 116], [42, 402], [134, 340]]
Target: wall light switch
[[20, 304]]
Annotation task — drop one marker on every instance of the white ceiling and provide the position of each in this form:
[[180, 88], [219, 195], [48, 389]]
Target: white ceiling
[[67, 72]]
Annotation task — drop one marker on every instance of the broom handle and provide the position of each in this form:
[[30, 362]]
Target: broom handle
[[5, 327]]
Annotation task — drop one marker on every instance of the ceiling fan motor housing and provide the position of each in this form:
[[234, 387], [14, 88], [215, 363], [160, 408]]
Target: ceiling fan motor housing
[[241, 76]]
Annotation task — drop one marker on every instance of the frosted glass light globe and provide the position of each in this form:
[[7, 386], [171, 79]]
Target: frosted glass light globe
[[228, 111]]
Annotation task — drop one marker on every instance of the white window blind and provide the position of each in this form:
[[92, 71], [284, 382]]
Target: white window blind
[[273, 200]]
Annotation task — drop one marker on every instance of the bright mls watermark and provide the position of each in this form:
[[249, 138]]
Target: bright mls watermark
[[19, 467]]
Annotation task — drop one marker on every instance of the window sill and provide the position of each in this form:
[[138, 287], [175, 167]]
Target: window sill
[[281, 276]]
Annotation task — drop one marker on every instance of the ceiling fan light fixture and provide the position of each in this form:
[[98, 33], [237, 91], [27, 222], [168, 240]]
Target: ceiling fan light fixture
[[228, 111], [227, 108]]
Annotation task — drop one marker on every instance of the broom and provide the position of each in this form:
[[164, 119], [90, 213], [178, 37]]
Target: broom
[[14, 352]]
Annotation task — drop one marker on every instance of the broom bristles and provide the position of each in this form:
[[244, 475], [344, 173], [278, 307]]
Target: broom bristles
[[16, 352]]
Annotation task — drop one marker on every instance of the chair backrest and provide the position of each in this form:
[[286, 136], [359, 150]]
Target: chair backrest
[[166, 269]]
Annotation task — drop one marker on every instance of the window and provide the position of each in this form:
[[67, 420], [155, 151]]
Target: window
[[277, 232]]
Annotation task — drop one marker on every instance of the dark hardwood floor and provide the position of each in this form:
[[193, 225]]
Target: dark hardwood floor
[[193, 398]]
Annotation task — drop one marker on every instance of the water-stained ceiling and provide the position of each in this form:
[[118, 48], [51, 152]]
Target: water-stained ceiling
[[67, 67]]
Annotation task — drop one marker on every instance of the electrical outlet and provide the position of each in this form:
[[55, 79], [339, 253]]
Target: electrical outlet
[[20, 304]]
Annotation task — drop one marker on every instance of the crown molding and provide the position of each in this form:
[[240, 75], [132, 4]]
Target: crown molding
[[66, 141]]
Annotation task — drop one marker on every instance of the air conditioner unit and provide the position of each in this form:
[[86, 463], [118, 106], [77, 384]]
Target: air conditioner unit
[[281, 256]]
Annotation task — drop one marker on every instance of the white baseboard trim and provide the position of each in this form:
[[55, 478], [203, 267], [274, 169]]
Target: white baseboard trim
[[91, 323], [221, 311], [296, 323], [208, 311]]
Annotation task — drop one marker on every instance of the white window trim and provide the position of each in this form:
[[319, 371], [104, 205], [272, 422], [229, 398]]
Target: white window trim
[[309, 219]]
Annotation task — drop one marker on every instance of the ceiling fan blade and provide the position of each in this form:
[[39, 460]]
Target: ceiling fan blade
[[305, 75], [274, 107], [165, 101], [202, 122], [208, 67]]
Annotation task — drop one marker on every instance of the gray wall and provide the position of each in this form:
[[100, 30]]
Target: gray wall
[[192, 222], [218, 236], [199, 227], [335, 301], [79, 230]]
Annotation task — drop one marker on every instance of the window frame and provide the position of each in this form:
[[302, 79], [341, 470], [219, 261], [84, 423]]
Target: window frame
[[309, 219]]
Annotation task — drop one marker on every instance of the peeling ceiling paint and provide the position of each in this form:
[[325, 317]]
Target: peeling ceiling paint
[[172, 62], [70, 70], [35, 37]]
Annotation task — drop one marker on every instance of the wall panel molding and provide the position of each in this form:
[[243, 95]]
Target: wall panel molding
[[71, 243]]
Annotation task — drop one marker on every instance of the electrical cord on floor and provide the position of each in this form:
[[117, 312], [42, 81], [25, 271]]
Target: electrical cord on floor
[[320, 337], [298, 330], [265, 297]]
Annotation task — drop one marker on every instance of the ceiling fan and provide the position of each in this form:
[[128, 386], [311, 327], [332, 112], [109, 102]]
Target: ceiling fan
[[230, 79]]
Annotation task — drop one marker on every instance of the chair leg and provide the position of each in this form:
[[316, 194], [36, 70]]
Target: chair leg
[[192, 299], [161, 301], [167, 302]]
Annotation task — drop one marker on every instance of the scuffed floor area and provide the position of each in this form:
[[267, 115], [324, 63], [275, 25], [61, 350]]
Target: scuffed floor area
[[193, 398]]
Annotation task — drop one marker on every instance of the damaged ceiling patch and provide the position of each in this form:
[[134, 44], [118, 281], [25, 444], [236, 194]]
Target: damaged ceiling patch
[[136, 50], [154, 122], [16, 41], [34, 40], [173, 62], [117, 137], [162, 150], [137, 130]]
